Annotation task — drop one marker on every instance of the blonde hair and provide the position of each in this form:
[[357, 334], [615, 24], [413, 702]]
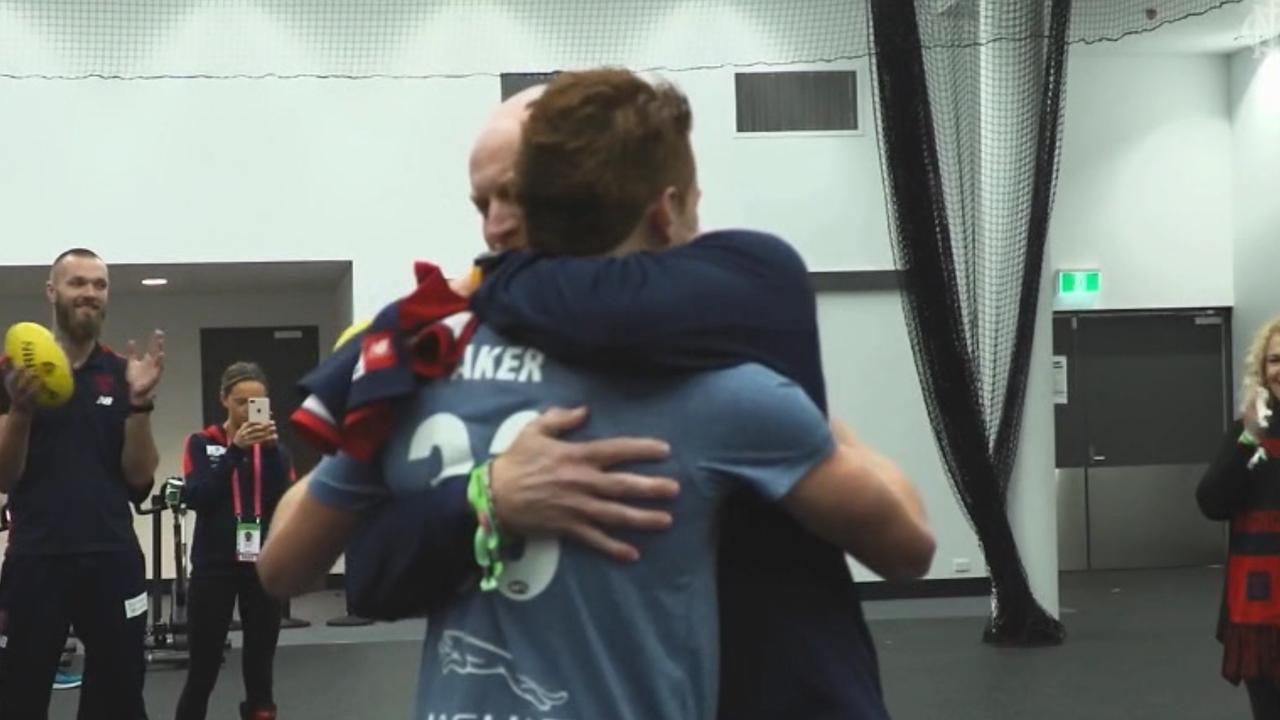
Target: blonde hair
[[1255, 360]]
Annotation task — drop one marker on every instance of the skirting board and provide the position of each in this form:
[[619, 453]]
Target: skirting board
[[884, 590], [919, 589]]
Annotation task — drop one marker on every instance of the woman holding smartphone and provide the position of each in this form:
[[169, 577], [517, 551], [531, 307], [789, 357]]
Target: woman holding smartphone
[[1243, 486], [234, 475]]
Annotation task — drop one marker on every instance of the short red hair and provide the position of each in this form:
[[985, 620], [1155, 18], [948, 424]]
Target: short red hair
[[599, 148]]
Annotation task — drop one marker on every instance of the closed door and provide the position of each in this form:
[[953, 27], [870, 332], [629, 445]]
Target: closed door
[[1148, 400]]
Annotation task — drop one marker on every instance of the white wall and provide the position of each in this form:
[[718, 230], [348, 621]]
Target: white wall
[[1144, 192], [872, 386], [1255, 116], [179, 408], [1033, 491], [152, 172], [371, 171]]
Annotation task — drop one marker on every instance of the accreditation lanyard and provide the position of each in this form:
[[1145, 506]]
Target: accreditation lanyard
[[248, 534], [236, 505]]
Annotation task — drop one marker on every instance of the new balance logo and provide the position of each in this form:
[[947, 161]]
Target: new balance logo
[[378, 353], [105, 400], [380, 349]]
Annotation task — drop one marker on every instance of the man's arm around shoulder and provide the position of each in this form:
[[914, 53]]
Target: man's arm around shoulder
[[686, 307]]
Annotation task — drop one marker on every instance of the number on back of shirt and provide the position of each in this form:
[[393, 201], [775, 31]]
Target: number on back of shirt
[[527, 575]]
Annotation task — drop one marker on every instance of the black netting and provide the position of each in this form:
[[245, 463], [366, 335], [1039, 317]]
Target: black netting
[[1094, 21], [181, 39], [970, 102], [969, 135], [141, 39]]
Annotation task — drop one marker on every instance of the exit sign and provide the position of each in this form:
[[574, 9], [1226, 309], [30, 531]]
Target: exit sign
[[1078, 283]]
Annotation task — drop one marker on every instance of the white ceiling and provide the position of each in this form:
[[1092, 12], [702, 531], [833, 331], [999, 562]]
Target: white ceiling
[[195, 278], [1224, 30]]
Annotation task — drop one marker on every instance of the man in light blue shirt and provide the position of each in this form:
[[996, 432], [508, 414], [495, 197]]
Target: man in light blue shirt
[[568, 633]]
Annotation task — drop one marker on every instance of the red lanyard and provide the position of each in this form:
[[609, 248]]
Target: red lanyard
[[257, 487]]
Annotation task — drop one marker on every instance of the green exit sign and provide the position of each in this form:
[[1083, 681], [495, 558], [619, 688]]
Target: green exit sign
[[1079, 282]]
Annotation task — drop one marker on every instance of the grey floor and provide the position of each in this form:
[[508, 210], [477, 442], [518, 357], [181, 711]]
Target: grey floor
[[1140, 645]]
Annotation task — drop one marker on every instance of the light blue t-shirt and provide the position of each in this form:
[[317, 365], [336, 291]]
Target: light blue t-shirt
[[571, 634]]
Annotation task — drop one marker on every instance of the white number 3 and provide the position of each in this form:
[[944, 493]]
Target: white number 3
[[523, 578]]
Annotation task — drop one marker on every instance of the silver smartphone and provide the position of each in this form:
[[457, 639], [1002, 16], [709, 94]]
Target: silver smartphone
[[260, 410]]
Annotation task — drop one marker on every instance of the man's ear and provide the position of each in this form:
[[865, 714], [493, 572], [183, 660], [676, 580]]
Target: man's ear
[[662, 218], [50, 293]]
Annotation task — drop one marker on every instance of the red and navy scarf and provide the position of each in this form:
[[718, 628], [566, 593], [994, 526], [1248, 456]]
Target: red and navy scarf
[[1253, 560], [348, 398]]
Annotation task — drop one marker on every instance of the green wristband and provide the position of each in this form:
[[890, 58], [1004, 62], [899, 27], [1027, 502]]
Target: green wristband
[[1248, 440], [488, 541]]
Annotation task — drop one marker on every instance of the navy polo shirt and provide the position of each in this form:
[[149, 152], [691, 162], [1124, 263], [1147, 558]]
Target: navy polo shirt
[[72, 496]]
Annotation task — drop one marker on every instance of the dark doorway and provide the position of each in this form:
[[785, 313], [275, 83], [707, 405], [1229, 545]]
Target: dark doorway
[[1142, 400]]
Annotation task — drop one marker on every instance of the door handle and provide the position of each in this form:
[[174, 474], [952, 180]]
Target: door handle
[[1099, 458]]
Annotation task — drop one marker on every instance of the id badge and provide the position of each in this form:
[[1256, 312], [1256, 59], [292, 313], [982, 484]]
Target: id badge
[[248, 542]]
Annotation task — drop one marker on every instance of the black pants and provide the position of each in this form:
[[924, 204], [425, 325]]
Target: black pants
[[208, 618], [1264, 696], [103, 595]]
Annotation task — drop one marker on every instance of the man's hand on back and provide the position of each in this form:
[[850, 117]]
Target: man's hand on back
[[544, 485]]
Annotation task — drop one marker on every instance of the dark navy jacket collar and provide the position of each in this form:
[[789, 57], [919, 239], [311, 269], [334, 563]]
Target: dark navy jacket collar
[[216, 433], [97, 358]]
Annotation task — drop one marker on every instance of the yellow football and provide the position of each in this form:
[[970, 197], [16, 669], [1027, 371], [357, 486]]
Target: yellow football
[[350, 332], [30, 345]]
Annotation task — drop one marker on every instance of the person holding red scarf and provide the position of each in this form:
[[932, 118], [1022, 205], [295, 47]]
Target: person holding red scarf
[[1243, 486], [234, 476]]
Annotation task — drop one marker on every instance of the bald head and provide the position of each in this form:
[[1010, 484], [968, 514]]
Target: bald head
[[492, 169], [516, 107]]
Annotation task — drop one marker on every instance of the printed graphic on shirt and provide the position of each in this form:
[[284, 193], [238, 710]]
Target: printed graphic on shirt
[[104, 383], [465, 655], [376, 353], [500, 362]]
